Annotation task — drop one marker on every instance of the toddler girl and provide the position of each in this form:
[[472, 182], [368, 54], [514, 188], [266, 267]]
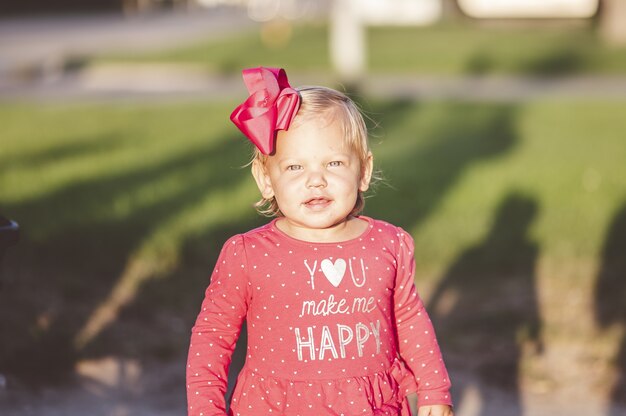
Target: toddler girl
[[335, 325]]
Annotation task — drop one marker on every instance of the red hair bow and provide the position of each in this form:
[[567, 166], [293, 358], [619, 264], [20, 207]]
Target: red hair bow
[[271, 106]]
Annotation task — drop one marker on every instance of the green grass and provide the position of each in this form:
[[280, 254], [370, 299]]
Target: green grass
[[441, 49], [140, 198], [306, 49], [455, 164], [479, 50]]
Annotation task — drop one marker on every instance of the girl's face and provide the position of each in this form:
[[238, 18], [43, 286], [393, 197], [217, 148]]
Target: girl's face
[[314, 176]]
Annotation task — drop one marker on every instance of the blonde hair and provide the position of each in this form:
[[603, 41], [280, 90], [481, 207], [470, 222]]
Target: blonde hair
[[336, 106]]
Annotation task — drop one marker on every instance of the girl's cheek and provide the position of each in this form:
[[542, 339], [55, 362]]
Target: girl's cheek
[[291, 182]]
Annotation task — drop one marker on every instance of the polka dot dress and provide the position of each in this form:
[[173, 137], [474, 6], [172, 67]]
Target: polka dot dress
[[333, 328]]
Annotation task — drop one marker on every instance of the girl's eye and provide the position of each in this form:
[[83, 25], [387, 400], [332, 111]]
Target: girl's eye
[[294, 167], [335, 163]]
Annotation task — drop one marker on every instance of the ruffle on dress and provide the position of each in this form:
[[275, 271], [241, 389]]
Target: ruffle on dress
[[378, 394]]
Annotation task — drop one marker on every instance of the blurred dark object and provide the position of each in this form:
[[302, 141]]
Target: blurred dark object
[[9, 234], [60, 7], [35, 7]]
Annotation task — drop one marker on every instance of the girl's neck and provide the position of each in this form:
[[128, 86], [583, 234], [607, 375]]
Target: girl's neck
[[350, 228]]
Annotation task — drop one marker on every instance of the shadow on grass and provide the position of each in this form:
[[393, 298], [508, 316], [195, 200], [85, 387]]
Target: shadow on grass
[[485, 306], [79, 253], [566, 60], [78, 249], [610, 306], [64, 152], [420, 175]]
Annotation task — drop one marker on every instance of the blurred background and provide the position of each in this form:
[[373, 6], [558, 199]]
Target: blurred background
[[498, 126]]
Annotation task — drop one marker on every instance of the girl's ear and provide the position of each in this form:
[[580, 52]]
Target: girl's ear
[[262, 179], [366, 172]]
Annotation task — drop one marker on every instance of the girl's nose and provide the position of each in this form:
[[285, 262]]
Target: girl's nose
[[316, 180]]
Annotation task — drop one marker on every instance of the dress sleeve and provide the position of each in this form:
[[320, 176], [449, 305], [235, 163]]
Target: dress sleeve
[[416, 337], [216, 330]]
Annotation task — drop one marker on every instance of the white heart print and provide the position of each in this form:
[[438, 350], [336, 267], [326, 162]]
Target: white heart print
[[334, 272]]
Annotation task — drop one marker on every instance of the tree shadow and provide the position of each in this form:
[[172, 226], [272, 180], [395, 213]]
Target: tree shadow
[[485, 306], [566, 60], [72, 255], [610, 301], [423, 173], [65, 151], [74, 251]]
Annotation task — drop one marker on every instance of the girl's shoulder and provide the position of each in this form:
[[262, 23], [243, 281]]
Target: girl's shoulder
[[239, 244], [385, 227], [400, 241], [261, 232], [264, 233]]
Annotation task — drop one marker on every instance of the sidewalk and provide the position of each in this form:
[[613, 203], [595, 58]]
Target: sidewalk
[[39, 46], [24, 40], [187, 82]]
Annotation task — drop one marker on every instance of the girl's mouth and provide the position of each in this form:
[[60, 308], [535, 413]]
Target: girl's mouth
[[317, 203]]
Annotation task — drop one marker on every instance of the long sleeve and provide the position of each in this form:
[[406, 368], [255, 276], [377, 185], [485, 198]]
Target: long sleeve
[[416, 337], [216, 331]]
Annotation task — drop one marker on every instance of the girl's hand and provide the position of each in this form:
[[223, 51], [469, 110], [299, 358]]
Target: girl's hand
[[435, 410]]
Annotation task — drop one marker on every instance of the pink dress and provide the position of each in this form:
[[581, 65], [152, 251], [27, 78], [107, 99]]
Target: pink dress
[[333, 328]]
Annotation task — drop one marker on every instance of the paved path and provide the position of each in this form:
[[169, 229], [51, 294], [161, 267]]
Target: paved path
[[35, 51], [27, 43], [147, 82]]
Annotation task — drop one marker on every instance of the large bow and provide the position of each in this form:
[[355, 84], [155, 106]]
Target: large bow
[[271, 106]]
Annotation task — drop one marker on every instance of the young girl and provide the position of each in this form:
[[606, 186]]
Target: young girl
[[335, 325]]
